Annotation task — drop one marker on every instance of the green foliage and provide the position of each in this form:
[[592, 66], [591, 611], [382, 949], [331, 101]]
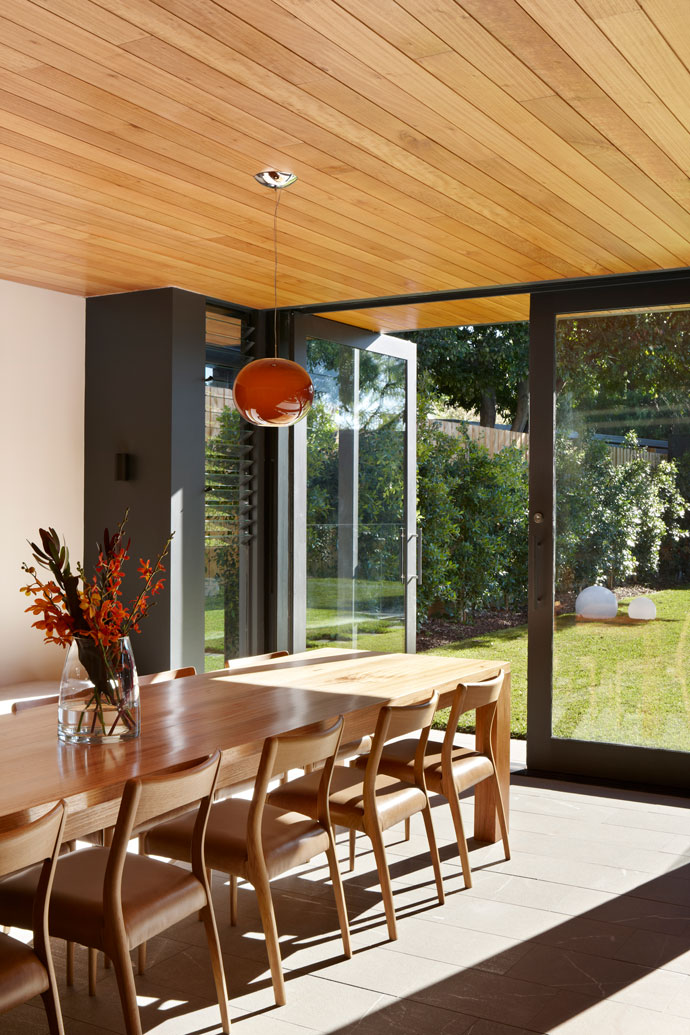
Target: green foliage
[[628, 370], [612, 520], [381, 445], [473, 511], [468, 365], [222, 524]]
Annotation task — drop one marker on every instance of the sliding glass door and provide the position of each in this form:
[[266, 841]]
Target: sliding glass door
[[610, 546], [359, 481]]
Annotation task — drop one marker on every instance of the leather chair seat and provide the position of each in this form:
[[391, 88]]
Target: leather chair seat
[[22, 975], [76, 905], [395, 800], [468, 766], [288, 839]]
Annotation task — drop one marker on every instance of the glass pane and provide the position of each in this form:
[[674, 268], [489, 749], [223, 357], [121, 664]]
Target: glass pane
[[355, 498], [223, 453], [622, 489]]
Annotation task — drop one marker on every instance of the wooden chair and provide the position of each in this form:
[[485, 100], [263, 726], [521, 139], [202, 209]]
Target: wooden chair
[[111, 900], [101, 838], [449, 769], [155, 677], [256, 841], [374, 802], [26, 972], [163, 677], [239, 662]]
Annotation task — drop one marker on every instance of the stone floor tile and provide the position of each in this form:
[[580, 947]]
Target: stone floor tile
[[407, 1017], [664, 951], [598, 977], [608, 1018], [30, 1019], [498, 997]]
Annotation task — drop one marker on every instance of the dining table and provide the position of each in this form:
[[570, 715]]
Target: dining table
[[236, 710]]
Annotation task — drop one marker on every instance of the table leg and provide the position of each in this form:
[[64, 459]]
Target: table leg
[[486, 826]]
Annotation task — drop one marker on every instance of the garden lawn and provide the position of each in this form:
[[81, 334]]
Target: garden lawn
[[620, 681]]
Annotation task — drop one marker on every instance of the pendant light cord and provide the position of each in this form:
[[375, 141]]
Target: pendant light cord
[[275, 274]]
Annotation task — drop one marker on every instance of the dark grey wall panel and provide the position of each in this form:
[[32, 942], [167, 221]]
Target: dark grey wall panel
[[145, 356]]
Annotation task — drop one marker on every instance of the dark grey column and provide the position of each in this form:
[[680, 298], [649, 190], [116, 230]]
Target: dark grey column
[[145, 356]]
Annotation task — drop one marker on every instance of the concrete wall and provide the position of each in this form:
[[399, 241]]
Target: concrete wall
[[41, 455]]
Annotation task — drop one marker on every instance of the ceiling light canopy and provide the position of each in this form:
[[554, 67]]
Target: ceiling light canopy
[[274, 179]]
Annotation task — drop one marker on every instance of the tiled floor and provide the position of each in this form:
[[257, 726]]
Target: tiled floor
[[585, 930]]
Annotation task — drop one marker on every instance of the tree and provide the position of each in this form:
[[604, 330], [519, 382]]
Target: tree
[[612, 520], [484, 369], [473, 514], [627, 370]]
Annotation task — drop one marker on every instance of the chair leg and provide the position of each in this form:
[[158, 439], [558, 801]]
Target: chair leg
[[141, 958], [268, 921], [454, 803], [376, 837], [51, 1003], [339, 895], [502, 822], [353, 837], [93, 968], [433, 851], [233, 900], [122, 965], [217, 965], [407, 829], [69, 963]]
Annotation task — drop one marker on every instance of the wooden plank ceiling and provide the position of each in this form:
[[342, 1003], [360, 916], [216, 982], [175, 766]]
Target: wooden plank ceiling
[[438, 145]]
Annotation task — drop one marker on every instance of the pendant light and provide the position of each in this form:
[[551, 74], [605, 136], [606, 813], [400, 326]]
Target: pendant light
[[273, 392]]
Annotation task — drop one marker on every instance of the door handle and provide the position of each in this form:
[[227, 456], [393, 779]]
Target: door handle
[[538, 570], [420, 535]]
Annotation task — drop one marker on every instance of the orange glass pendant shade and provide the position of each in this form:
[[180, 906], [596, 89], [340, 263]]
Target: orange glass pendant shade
[[273, 392]]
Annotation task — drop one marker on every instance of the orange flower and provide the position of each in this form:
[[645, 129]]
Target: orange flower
[[145, 568]]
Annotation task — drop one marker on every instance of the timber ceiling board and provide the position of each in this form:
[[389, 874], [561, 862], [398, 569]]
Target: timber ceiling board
[[439, 145]]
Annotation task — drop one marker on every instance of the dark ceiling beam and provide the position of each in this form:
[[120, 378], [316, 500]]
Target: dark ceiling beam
[[532, 287]]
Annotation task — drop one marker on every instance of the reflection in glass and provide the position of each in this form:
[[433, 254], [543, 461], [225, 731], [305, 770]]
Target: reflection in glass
[[622, 521], [224, 452], [355, 498]]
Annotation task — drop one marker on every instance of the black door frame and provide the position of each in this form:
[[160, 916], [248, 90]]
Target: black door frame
[[544, 751], [304, 327]]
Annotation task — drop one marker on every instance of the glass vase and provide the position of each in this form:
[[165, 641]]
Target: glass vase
[[99, 693]]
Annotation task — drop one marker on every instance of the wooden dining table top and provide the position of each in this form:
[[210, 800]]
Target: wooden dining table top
[[235, 710]]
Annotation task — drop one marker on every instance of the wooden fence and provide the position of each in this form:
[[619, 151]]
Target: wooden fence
[[497, 439]]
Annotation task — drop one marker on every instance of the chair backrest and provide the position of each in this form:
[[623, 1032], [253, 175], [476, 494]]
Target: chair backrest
[[467, 698], [33, 702], [395, 720], [31, 843], [154, 677], [239, 662], [150, 797], [291, 751], [163, 677]]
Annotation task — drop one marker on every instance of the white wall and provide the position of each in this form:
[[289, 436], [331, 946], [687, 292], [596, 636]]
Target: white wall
[[41, 456]]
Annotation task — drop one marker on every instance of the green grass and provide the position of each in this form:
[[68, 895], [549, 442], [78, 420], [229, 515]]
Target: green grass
[[322, 594], [508, 645], [616, 682], [613, 681]]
